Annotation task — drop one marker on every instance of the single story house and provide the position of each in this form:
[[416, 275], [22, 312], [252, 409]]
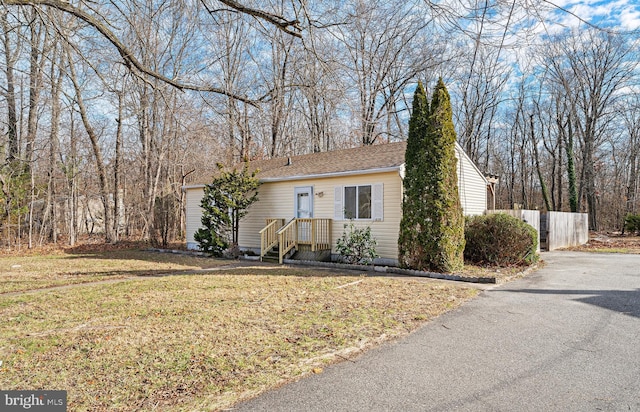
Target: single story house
[[305, 201]]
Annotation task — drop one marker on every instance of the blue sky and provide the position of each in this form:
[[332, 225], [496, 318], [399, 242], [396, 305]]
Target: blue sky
[[622, 15]]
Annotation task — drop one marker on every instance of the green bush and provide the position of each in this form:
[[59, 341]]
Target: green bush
[[357, 245], [211, 242], [501, 240], [632, 223]]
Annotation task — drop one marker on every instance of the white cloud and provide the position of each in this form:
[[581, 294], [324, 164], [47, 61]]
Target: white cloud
[[623, 14], [630, 19]]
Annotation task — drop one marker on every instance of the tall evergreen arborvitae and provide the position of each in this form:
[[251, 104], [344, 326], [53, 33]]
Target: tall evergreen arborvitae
[[447, 210], [413, 214], [432, 226]]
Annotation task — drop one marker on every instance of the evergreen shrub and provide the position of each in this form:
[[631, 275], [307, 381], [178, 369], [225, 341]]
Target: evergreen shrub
[[632, 223], [501, 240], [225, 201]]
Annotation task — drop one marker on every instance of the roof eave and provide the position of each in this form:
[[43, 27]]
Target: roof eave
[[398, 168], [187, 187], [332, 174]]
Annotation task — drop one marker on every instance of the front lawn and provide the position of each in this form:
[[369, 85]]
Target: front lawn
[[196, 341], [29, 272]]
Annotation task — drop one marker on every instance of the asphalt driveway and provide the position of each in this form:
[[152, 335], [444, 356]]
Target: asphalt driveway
[[566, 338]]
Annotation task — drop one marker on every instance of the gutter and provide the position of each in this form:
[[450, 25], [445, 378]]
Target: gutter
[[331, 174], [399, 169]]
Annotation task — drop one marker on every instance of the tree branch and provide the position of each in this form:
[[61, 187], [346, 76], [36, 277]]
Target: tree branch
[[291, 27], [130, 60]]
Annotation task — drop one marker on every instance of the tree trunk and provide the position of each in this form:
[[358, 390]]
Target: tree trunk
[[36, 61], [54, 149], [633, 128], [97, 152], [117, 193], [72, 179], [571, 168], [589, 175], [12, 117], [543, 185]]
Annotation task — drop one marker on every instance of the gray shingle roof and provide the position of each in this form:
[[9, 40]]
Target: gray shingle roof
[[359, 159]]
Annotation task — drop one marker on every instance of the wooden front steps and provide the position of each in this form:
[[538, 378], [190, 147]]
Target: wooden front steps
[[272, 256], [298, 234]]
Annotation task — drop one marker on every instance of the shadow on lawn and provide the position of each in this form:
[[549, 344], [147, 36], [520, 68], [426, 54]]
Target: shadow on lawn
[[197, 264], [142, 252]]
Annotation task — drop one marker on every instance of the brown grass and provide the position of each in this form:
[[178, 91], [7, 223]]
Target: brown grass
[[602, 242], [191, 342], [36, 271]]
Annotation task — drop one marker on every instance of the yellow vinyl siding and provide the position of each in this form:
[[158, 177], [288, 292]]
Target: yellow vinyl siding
[[384, 231], [277, 201], [472, 186]]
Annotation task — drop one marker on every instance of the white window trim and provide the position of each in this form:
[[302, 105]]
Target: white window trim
[[377, 202]]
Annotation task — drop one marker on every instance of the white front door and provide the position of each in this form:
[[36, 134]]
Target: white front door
[[304, 209], [303, 201]]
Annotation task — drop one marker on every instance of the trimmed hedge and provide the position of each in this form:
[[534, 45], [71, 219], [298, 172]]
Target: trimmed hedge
[[501, 240]]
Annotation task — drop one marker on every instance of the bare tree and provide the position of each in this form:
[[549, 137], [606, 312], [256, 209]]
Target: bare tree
[[230, 40], [50, 214], [10, 94], [97, 150], [97, 18], [590, 67], [384, 53], [631, 122]]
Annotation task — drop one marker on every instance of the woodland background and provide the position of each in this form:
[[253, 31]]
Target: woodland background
[[107, 108]]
